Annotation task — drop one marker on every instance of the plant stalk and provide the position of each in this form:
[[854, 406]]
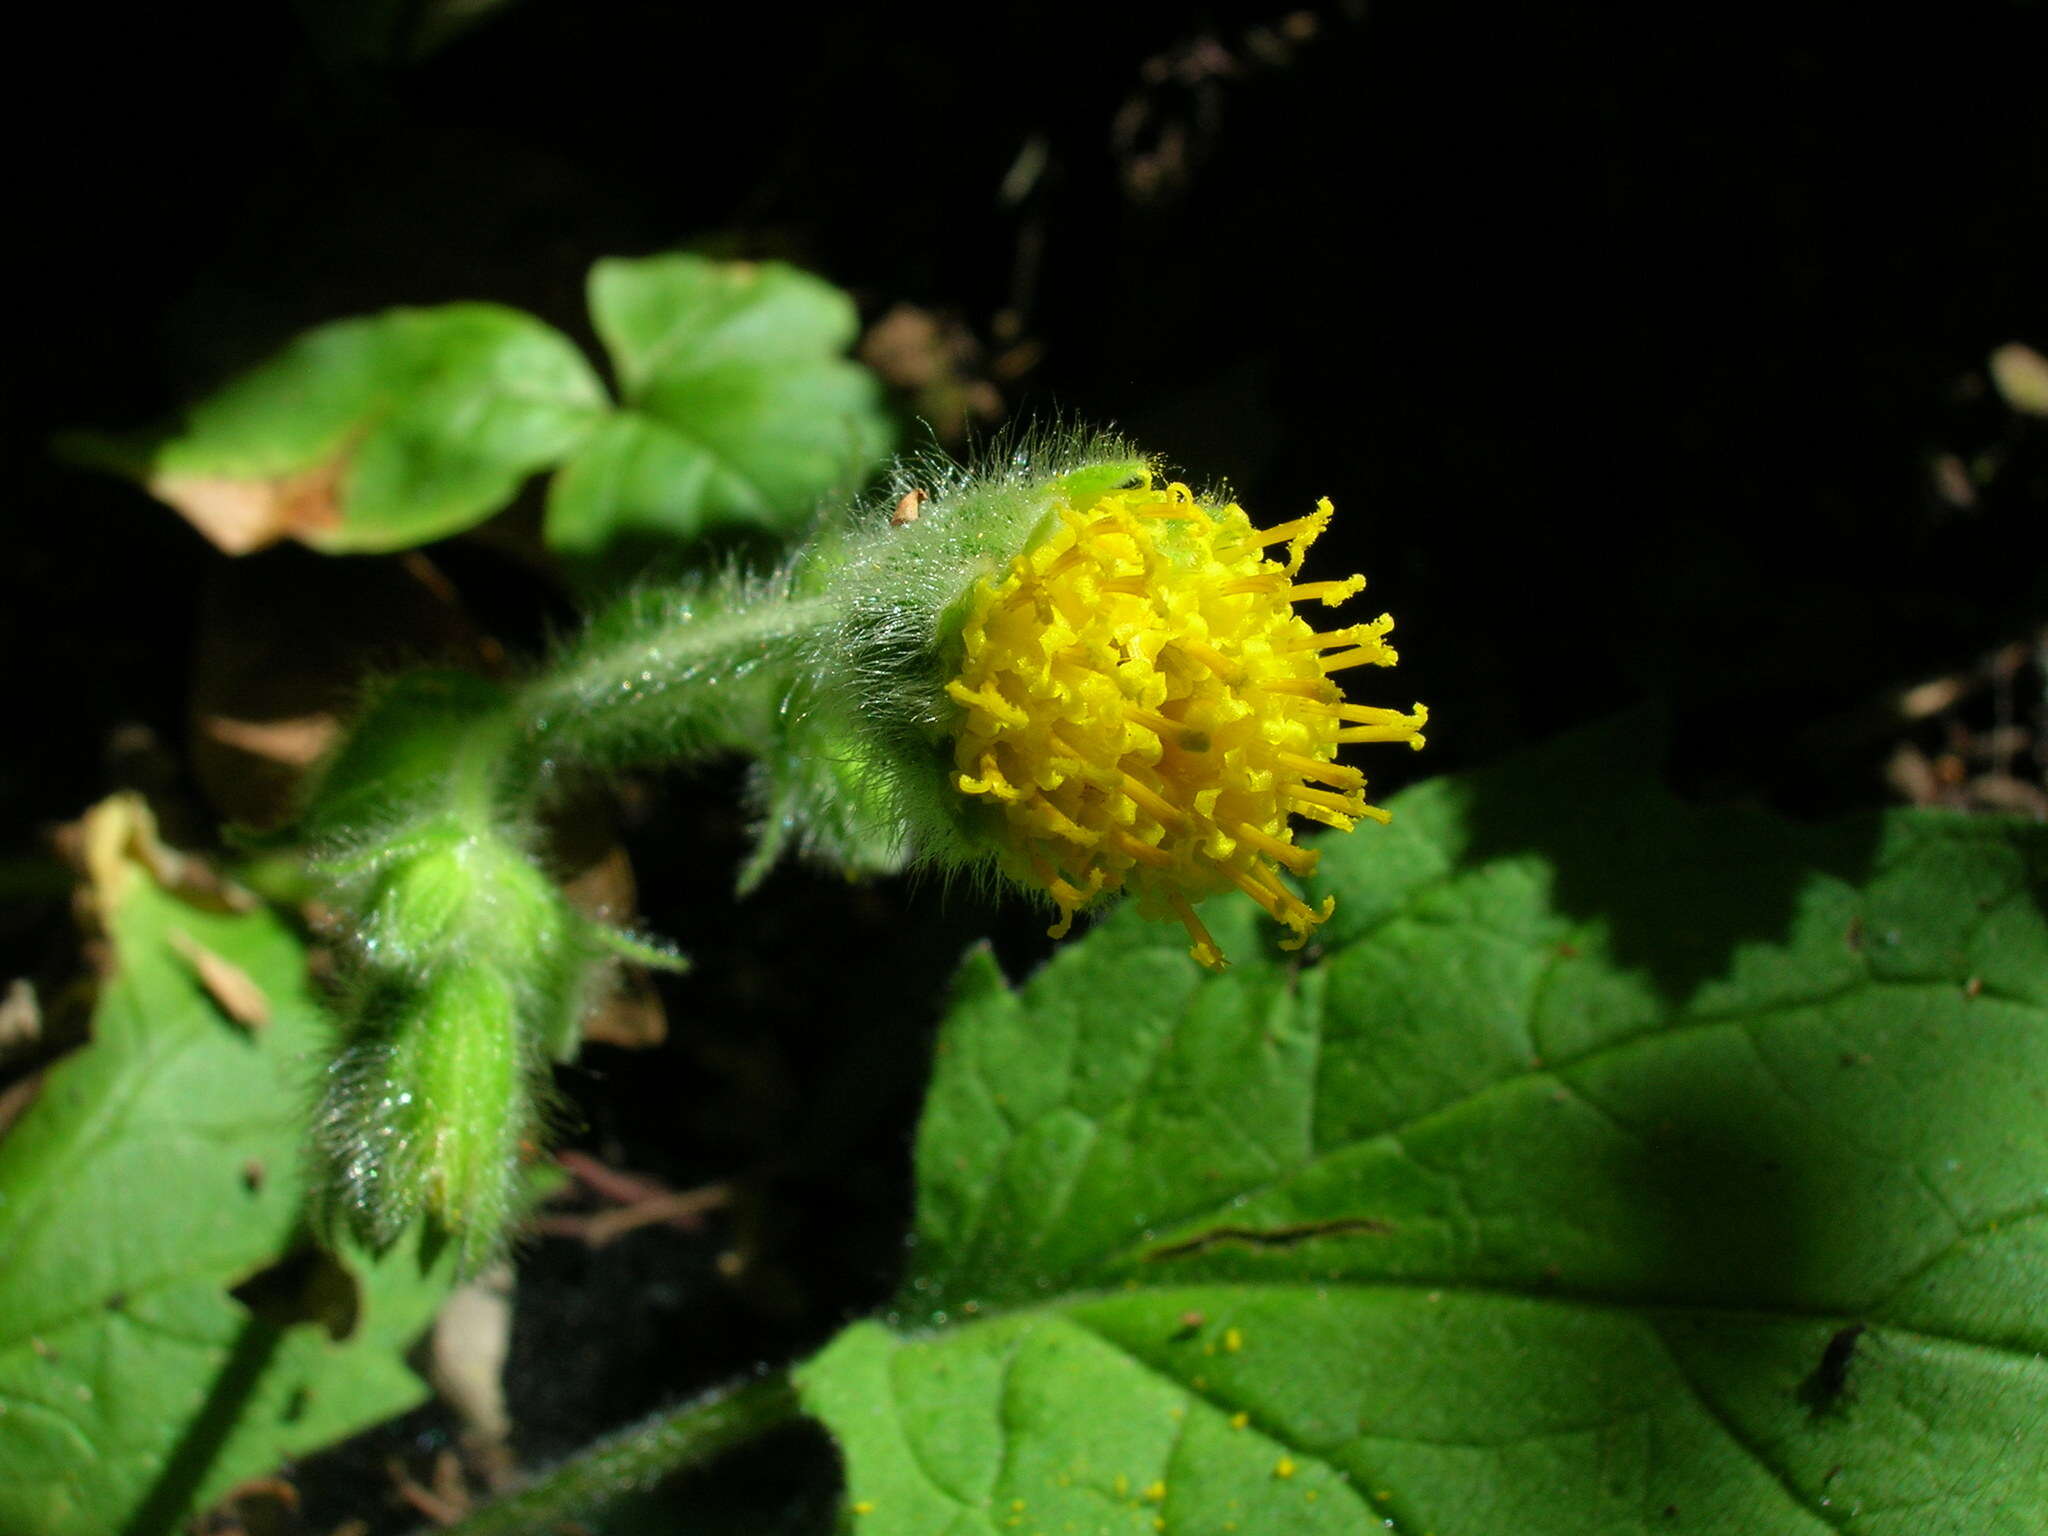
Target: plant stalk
[[637, 1458]]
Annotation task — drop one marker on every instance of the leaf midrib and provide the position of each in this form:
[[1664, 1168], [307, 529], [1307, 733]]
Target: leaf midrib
[[1164, 1227]]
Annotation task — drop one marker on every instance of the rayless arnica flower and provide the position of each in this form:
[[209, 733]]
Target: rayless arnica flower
[[1129, 692]]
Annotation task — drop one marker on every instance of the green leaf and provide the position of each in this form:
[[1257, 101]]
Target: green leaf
[[165, 1329], [1551, 1199], [742, 410], [375, 434]]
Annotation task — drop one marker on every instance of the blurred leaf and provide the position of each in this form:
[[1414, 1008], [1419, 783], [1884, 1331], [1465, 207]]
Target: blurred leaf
[[1514, 1213], [373, 434], [165, 1331], [2021, 377], [742, 409]]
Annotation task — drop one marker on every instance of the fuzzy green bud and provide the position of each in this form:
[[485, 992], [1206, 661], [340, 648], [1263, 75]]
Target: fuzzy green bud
[[426, 1111]]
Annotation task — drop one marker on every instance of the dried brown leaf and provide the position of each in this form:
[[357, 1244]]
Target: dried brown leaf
[[226, 983], [240, 516]]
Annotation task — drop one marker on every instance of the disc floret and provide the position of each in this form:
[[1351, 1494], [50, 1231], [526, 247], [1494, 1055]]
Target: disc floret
[[1141, 708]]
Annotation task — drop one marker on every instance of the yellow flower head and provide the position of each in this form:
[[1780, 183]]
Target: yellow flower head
[[1142, 708]]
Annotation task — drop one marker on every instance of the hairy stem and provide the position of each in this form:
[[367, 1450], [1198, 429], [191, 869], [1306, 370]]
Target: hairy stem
[[666, 674], [635, 1459]]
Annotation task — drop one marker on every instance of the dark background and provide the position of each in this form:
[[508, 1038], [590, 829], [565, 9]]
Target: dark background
[[1635, 347]]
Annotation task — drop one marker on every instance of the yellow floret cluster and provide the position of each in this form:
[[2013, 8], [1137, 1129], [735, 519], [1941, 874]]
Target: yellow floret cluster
[[1146, 710]]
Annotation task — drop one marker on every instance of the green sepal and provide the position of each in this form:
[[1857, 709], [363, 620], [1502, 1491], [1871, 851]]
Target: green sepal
[[823, 792], [403, 750]]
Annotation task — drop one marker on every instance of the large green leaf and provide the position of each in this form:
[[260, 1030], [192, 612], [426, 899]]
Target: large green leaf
[[377, 433], [1550, 1199], [165, 1329], [742, 409]]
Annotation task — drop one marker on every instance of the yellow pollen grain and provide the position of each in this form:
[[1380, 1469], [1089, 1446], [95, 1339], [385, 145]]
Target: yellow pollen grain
[[1112, 749], [1156, 1492], [1284, 1467], [1240, 1420], [1233, 1341]]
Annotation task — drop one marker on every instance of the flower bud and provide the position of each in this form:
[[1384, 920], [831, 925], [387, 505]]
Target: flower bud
[[425, 1111]]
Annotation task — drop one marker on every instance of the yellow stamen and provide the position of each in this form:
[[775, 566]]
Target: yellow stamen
[[1300, 533], [1153, 721], [1344, 805], [1329, 773], [1367, 715], [988, 699], [1331, 592], [1149, 801], [1084, 761], [1365, 655], [991, 781], [1205, 950], [1331, 639], [1302, 861], [1258, 892], [1280, 532], [1143, 852], [1208, 656], [1059, 821], [1245, 585]]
